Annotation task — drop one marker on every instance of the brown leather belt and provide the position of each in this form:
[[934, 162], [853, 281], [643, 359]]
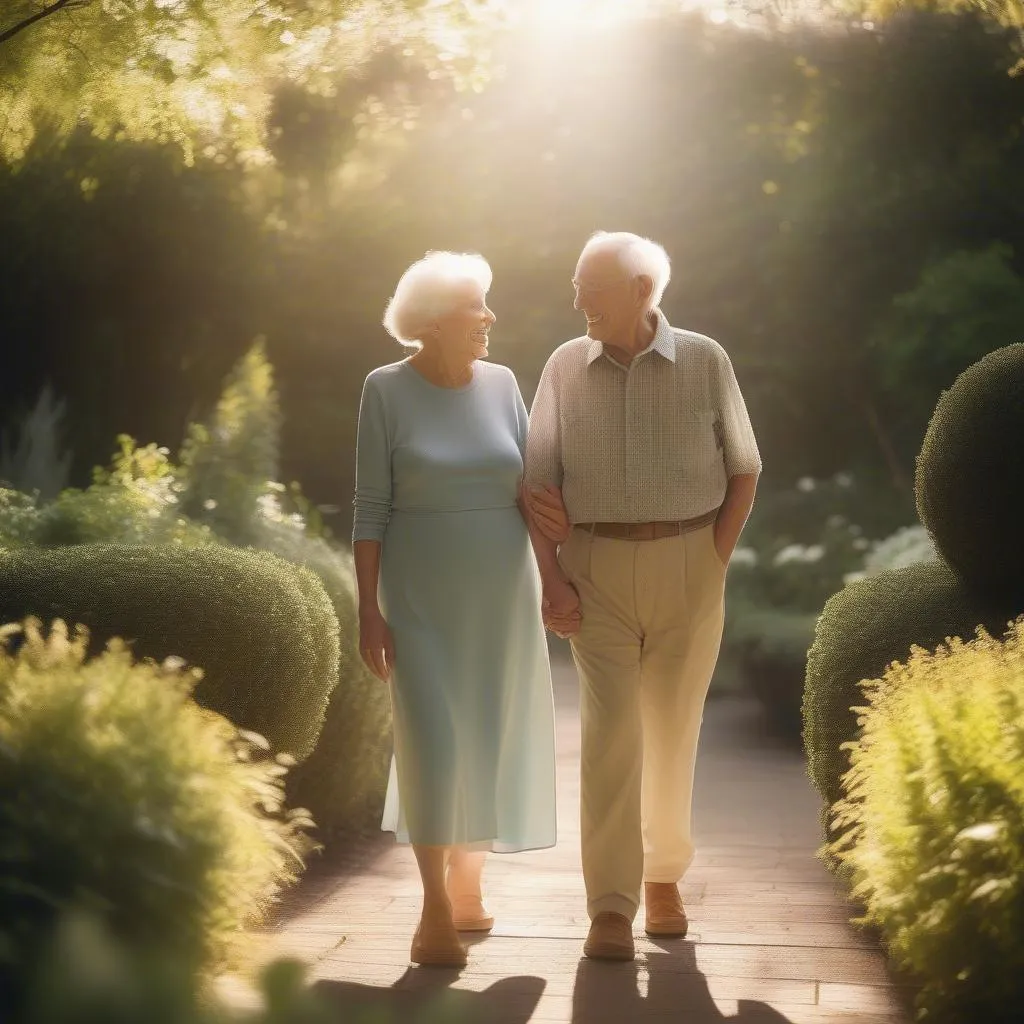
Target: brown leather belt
[[647, 531]]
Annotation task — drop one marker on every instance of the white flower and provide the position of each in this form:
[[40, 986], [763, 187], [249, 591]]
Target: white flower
[[744, 556], [790, 553], [907, 546], [814, 553], [805, 484], [209, 504]]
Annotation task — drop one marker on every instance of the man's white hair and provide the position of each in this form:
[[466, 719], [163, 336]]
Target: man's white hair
[[637, 255], [429, 289]]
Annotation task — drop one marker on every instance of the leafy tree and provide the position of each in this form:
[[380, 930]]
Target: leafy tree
[[198, 73], [963, 306]]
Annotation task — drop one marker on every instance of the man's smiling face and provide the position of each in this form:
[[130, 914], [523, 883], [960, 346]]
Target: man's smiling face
[[606, 295]]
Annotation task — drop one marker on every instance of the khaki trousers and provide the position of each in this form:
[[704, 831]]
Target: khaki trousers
[[647, 647]]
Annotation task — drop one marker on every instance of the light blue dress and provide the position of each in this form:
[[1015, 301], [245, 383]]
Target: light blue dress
[[437, 471]]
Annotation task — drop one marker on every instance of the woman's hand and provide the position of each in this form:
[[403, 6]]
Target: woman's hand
[[376, 646], [547, 510]]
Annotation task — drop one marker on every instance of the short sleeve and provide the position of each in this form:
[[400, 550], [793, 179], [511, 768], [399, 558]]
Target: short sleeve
[[372, 502], [740, 446]]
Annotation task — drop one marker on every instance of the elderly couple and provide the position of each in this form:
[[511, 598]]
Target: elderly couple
[[631, 480]]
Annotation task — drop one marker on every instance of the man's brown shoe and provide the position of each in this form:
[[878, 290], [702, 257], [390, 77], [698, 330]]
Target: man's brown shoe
[[664, 915], [610, 937]]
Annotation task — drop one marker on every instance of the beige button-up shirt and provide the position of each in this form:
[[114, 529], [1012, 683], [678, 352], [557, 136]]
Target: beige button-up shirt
[[657, 440]]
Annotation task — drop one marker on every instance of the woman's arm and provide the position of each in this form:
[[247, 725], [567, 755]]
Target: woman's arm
[[372, 510], [376, 645]]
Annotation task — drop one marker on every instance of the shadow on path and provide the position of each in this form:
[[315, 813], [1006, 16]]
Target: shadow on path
[[677, 992], [423, 996]]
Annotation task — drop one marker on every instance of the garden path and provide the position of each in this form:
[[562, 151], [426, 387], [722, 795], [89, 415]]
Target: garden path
[[770, 938]]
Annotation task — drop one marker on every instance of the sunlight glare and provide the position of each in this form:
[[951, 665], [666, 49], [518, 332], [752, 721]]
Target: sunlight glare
[[555, 15]]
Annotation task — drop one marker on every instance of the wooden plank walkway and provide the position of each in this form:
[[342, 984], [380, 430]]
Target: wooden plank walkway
[[769, 934]]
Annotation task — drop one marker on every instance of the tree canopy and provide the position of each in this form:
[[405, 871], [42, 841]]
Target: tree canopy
[[202, 73]]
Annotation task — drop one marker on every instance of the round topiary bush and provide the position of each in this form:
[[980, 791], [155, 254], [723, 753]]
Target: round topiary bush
[[262, 630], [868, 625], [970, 475], [121, 796]]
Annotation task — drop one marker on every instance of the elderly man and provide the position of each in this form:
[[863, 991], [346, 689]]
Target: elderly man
[[645, 431]]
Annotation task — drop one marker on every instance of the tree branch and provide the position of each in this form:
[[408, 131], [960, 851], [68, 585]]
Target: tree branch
[[54, 8]]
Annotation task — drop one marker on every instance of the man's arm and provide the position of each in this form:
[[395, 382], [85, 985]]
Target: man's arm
[[740, 455], [732, 516], [543, 466]]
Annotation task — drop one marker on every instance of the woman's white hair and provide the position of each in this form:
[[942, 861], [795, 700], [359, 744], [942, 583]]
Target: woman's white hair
[[429, 289], [638, 256]]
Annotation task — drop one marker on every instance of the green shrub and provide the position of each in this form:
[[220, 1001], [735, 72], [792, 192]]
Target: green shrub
[[112, 513], [344, 780], [772, 646], [933, 824], [19, 517], [263, 631], [970, 476], [118, 792], [864, 627], [135, 501], [228, 464]]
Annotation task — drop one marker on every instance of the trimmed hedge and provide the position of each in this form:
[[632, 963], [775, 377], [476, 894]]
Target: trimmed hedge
[[121, 796], [262, 631], [933, 825], [970, 475], [862, 629]]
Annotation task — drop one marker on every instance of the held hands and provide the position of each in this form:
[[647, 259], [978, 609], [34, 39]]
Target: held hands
[[560, 608], [547, 510], [376, 646]]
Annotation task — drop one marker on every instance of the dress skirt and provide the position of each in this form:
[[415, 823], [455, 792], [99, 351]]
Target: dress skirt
[[474, 735]]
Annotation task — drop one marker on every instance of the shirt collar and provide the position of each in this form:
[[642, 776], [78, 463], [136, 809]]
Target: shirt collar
[[664, 342]]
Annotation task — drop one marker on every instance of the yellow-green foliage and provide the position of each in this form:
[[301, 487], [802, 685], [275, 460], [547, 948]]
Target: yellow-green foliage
[[970, 475], [262, 630], [132, 501], [119, 792], [867, 625], [934, 823]]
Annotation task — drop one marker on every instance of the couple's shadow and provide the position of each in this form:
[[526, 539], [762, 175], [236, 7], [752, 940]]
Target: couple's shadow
[[603, 993], [676, 990]]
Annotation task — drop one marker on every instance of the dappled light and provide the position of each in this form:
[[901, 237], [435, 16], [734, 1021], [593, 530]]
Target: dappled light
[[631, 593]]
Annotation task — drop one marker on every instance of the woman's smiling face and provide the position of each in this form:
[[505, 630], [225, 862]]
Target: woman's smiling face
[[463, 329]]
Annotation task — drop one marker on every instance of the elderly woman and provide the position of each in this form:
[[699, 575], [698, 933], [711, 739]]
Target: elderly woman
[[440, 533]]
